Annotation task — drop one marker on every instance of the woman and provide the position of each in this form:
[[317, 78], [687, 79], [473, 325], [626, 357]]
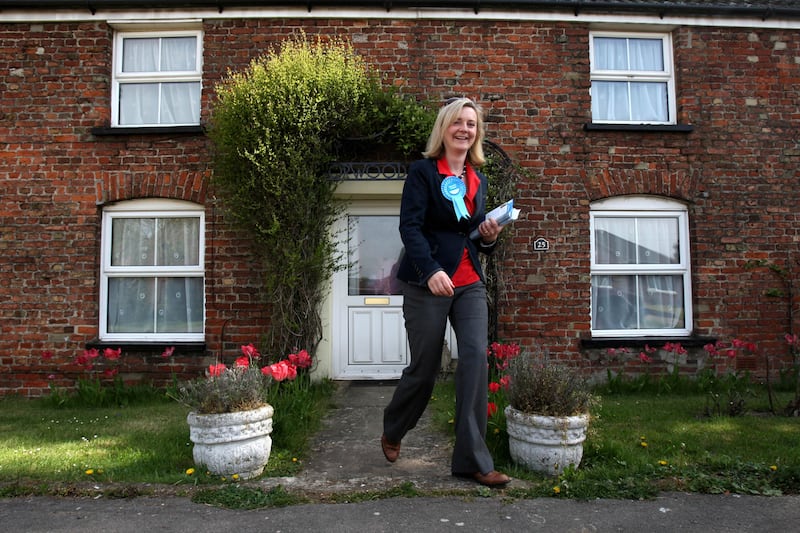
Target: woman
[[444, 200]]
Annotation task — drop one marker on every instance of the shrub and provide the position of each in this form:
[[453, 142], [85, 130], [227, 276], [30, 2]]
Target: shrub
[[275, 128]]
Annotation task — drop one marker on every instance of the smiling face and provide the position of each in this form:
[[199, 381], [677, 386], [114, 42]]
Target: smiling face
[[458, 129], [461, 133]]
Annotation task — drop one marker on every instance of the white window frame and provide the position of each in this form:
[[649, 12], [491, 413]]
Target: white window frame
[[667, 76], [120, 78], [148, 208], [644, 207]]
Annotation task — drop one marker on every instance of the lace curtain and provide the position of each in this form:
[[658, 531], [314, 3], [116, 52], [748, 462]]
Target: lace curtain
[[155, 303], [637, 300]]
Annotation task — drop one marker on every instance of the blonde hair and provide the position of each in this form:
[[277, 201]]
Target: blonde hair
[[447, 115]]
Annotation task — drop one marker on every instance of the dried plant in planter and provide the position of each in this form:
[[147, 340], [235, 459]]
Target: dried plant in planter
[[230, 390], [539, 386]]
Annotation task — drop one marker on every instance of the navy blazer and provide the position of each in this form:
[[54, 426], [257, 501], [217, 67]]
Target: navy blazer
[[434, 240]]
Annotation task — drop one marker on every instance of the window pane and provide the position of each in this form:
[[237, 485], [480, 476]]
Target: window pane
[[130, 305], [637, 302], [658, 241], [646, 54], [614, 302], [178, 241], [374, 253], [138, 103], [615, 240], [180, 305], [139, 55], [632, 241], [178, 54], [661, 302], [180, 103], [610, 100], [649, 101], [610, 54], [133, 242]]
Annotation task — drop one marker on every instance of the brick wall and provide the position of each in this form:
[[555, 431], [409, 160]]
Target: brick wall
[[56, 176], [738, 171]]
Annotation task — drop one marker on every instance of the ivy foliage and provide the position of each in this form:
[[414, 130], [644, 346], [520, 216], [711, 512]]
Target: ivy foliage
[[504, 175], [276, 127]]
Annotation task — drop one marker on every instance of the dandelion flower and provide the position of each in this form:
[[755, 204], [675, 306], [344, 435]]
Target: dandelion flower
[[235, 477], [189, 471], [89, 472], [294, 459], [773, 467], [663, 463], [643, 444], [556, 490]]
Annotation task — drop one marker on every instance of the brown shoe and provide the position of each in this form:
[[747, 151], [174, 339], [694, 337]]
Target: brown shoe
[[492, 479], [391, 450]]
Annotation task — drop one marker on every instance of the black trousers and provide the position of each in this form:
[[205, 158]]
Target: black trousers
[[426, 319]]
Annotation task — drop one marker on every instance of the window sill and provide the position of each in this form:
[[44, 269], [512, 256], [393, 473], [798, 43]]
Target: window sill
[[640, 342], [156, 347], [668, 128], [105, 131]]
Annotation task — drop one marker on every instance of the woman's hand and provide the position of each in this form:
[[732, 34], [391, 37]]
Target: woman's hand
[[440, 284], [489, 229]]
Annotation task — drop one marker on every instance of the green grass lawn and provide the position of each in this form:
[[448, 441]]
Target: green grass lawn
[[667, 441], [142, 443], [642, 443], [43, 443], [639, 444]]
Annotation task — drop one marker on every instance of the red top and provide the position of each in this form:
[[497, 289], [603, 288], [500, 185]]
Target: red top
[[465, 273]]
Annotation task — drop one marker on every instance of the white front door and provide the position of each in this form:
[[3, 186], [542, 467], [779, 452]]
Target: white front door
[[369, 332]]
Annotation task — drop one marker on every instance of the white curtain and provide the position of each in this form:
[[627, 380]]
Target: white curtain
[[159, 102], [147, 304], [615, 240], [661, 302], [178, 54], [629, 100], [637, 300], [180, 299]]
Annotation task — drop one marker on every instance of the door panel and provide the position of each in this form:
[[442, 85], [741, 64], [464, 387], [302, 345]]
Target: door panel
[[377, 336]]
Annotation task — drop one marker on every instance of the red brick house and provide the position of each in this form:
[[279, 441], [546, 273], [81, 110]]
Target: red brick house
[[660, 140]]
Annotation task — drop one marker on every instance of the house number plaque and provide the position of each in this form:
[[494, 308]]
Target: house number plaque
[[541, 245]]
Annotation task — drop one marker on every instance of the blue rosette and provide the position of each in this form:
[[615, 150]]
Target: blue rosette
[[454, 190]]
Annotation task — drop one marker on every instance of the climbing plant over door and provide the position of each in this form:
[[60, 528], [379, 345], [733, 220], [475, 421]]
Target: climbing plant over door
[[276, 127]]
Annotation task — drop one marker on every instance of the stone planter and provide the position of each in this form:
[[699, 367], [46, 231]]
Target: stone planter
[[232, 443], [546, 444]]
